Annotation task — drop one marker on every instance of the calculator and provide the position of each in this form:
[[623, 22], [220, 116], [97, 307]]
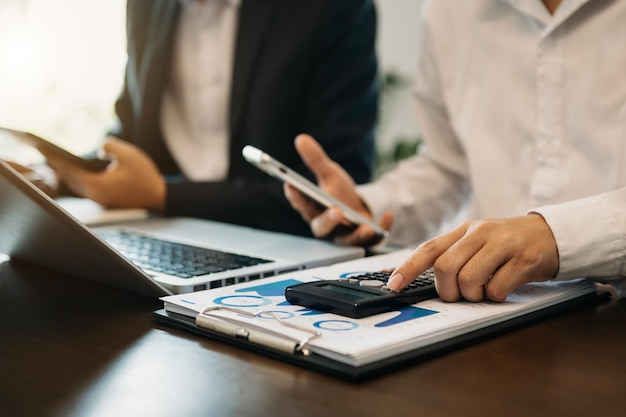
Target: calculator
[[361, 295]]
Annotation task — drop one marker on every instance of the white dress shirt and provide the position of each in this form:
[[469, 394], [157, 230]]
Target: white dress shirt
[[194, 110], [520, 111]]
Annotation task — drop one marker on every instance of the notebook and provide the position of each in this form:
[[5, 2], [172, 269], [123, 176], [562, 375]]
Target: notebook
[[35, 229]]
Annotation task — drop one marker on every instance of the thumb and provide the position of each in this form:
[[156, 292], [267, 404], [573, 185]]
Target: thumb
[[116, 149], [314, 157]]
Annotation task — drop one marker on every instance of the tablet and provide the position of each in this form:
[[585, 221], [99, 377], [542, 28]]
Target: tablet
[[278, 170], [91, 164]]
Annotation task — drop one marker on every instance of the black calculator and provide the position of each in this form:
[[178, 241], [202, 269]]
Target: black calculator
[[361, 295]]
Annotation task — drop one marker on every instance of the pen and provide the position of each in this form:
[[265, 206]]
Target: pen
[[267, 339], [235, 330]]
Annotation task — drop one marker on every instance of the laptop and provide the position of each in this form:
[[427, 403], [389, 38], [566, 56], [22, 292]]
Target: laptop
[[198, 254]]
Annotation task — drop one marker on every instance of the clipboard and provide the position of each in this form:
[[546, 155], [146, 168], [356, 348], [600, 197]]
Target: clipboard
[[300, 356]]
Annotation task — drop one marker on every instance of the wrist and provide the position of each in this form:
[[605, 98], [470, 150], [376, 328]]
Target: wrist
[[157, 201], [547, 236]]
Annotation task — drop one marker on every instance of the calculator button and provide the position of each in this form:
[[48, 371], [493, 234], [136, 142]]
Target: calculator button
[[372, 283]]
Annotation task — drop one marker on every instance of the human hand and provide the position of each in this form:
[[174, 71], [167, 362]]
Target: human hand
[[485, 258], [132, 180], [327, 223]]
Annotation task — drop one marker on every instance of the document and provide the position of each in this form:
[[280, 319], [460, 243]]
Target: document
[[358, 342]]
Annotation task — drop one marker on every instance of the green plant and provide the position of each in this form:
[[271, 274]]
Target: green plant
[[391, 83]]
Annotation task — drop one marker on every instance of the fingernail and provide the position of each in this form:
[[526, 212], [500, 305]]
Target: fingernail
[[395, 281]]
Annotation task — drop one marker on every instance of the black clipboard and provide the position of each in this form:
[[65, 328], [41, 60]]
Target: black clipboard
[[340, 370]]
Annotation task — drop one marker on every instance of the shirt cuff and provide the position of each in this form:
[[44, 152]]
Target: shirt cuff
[[590, 236]]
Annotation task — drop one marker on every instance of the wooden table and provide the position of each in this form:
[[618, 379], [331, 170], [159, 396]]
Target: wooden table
[[73, 348]]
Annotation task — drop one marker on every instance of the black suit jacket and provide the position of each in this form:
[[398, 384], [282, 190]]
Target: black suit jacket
[[301, 66]]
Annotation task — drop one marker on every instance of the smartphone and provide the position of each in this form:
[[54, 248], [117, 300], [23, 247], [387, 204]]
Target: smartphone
[[278, 170], [91, 164]]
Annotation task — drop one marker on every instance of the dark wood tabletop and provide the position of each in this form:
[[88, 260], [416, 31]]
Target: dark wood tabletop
[[69, 347]]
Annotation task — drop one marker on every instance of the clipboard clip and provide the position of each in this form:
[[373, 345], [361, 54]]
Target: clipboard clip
[[215, 323]]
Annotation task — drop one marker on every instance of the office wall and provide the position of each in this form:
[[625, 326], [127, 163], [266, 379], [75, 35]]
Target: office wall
[[397, 40], [61, 69]]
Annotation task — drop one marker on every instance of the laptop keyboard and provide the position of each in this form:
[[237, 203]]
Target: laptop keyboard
[[177, 259]]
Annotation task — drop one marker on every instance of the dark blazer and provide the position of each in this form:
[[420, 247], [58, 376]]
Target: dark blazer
[[301, 66]]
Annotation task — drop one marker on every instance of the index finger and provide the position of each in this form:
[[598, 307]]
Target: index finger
[[308, 208], [423, 258]]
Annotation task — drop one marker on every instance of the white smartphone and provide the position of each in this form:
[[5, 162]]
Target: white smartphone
[[278, 170]]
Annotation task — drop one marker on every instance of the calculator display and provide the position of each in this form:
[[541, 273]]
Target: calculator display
[[352, 291]]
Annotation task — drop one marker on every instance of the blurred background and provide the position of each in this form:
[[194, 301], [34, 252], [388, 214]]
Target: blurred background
[[63, 60]]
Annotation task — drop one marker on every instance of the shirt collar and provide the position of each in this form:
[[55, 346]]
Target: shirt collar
[[536, 10]]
